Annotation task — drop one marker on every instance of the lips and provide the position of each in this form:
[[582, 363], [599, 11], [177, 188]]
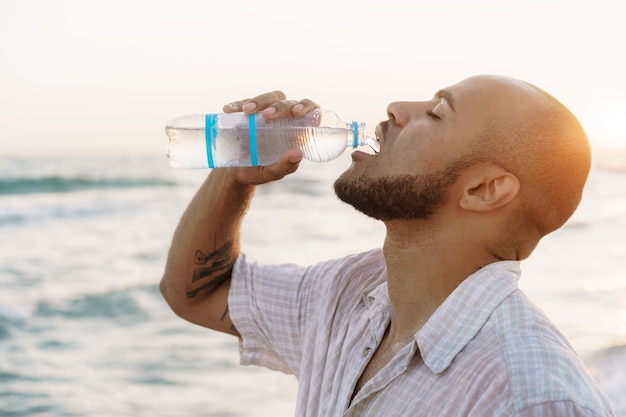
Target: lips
[[381, 132]]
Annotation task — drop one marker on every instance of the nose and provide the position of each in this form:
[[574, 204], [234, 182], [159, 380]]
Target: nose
[[401, 112]]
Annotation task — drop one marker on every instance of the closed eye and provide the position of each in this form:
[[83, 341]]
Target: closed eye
[[433, 115]]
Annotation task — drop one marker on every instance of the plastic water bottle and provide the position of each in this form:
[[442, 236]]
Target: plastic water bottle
[[237, 139]]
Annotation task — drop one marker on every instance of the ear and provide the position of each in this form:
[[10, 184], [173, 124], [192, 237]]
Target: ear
[[488, 188]]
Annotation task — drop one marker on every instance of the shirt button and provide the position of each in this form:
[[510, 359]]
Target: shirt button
[[366, 351]]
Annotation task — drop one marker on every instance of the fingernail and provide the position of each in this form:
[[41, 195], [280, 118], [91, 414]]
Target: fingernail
[[269, 111], [297, 108], [249, 106], [294, 159]]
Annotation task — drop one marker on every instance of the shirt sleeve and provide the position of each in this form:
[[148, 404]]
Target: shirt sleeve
[[270, 305], [277, 309]]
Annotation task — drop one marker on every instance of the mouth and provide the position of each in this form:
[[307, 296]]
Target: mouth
[[374, 144], [380, 133]]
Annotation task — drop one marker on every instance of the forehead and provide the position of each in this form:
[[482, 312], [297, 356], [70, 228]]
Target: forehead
[[493, 93], [487, 107]]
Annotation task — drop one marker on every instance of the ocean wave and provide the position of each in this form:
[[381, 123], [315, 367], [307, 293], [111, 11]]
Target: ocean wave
[[59, 184], [120, 306], [9, 318]]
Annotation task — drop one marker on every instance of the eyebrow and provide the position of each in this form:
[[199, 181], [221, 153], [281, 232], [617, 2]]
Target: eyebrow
[[448, 96]]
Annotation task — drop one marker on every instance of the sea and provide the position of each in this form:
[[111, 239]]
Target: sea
[[84, 330]]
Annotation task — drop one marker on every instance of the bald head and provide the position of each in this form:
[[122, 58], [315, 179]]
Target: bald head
[[537, 139]]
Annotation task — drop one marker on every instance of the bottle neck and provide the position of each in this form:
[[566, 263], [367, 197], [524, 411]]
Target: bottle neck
[[358, 137]]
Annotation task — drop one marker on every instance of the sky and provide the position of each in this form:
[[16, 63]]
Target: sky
[[104, 77]]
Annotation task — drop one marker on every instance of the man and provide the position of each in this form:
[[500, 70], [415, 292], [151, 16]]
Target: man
[[433, 324]]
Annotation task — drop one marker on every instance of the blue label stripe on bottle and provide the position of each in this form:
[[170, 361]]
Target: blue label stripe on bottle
[[355, 132], [254, 157], [210, 133]]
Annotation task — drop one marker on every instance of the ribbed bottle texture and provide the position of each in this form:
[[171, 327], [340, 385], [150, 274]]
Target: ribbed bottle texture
[[237, 139]]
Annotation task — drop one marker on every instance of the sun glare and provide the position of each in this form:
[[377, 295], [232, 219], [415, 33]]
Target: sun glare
[[609, 128], [614, 125]]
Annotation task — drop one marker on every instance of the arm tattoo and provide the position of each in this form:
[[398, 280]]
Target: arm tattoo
[[217, 264]]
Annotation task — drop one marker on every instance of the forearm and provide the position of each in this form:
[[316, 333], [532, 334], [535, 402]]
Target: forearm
[[205, 246], [204, 249]]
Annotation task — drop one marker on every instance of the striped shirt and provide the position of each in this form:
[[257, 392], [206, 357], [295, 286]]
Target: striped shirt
[[486, 351]]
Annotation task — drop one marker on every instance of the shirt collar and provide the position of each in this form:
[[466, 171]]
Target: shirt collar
[[459, 318]]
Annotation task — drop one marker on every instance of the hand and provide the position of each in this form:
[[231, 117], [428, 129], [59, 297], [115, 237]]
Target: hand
[[272, 106]]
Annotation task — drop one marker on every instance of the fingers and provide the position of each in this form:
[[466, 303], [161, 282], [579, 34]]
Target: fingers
[[288, 108], [303, 107], [233, 107], [263, 102], [287, 164], [272, 105], [255, 104]]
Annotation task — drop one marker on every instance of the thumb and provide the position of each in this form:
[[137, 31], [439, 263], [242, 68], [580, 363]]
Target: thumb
[[287, 164]]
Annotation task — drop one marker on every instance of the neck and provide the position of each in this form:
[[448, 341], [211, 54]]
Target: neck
[[424, 266]]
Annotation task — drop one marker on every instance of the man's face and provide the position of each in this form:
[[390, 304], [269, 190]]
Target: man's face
[[424, 147]]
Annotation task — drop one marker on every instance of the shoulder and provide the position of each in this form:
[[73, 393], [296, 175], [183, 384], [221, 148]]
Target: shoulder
[[364, 270], [358, 273], [358, 263], [541, 366], [339, 285], [363, 263], [563, 408]]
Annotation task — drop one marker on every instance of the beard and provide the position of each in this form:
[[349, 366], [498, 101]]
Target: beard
[[400, 197]]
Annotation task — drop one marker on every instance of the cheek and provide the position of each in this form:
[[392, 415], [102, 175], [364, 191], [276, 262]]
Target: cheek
[[417, 153]]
